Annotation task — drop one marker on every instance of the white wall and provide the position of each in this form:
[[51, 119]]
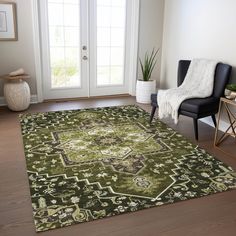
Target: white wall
[[17, 54], [197, 29], [151, 31]]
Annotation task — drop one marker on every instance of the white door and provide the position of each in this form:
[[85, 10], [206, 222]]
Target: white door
[[108, 47], [64, 31], [85, 47]]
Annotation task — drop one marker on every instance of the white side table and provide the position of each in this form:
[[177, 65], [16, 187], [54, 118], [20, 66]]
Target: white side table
[[16, 92]]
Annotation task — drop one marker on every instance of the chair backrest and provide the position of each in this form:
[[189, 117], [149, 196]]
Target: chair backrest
[[222, 76]]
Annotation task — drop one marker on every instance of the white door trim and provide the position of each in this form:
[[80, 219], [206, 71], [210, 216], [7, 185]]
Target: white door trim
[[133, 48], [37, 49]]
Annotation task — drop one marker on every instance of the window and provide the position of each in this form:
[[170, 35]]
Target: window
[[64, 34], [111, 26]]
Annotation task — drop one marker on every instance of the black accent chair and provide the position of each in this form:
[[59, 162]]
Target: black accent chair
[[198, 108]]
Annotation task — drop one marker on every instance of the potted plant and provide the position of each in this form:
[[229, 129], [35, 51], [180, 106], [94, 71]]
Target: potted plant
[[145, 87], [230, 91]]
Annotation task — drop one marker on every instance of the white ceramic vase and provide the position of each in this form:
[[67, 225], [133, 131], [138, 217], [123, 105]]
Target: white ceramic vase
[[17, 95], [227, 92], [144, 89]]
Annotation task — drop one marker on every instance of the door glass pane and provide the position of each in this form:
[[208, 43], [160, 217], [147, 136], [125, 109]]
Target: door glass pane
[[111, 18], [64, 37]]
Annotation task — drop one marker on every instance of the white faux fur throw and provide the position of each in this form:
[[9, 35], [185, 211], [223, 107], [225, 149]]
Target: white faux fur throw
[[198, 83]]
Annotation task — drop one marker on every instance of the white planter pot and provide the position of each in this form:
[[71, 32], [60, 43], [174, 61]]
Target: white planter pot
[[144, 89]]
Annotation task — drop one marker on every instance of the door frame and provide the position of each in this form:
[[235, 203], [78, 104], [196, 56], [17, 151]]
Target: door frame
[[133, 49]]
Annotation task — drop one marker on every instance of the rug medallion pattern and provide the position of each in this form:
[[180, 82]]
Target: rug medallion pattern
[[94, 163]]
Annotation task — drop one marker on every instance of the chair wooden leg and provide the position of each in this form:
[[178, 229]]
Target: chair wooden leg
[[195, 123], [214, 120], [152, 113]]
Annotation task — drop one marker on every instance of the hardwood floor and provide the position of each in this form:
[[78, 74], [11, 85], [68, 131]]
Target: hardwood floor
[[212, 215]]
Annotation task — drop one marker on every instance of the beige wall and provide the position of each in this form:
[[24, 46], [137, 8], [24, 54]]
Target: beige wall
[[197, 29], [151, 31], [14, 55]]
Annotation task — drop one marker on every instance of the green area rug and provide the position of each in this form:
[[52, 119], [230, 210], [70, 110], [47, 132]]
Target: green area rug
[[90, 164]]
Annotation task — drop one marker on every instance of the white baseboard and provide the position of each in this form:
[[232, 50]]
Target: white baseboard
[[33, 100], [223, 125]]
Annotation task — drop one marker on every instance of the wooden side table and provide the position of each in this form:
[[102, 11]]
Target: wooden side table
[[16, 92], [231, 115]]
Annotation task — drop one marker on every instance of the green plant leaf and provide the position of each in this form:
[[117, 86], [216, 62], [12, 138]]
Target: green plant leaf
[[148, 64], [231, 87]]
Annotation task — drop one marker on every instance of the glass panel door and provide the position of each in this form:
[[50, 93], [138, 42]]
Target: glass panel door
[[64, 33], [84, 46], [108, 24]]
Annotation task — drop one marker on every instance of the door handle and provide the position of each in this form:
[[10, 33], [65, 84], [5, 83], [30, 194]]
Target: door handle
[[84, 48], [85, 58]]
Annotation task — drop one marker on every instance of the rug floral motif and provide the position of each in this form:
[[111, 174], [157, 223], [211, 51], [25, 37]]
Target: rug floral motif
[[89, 164]]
